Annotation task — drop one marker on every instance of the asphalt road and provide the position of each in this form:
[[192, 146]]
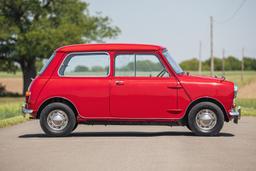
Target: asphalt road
[[25, 147]]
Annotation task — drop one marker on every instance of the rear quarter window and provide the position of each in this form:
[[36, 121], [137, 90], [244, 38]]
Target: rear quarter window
[[85, 65]]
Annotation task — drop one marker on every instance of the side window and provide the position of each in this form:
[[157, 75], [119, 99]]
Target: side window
[[139, 65], [86, 64], [124, 65]]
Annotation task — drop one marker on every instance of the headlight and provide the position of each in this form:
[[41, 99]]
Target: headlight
[[235, 90]]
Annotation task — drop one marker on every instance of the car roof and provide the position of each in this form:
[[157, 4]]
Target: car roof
[[107, 47]]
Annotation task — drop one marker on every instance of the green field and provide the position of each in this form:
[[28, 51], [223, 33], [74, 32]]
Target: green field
[[10, 111], [10, 107], [248, 106]]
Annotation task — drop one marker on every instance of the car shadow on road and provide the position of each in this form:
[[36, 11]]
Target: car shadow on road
[[123, 134]]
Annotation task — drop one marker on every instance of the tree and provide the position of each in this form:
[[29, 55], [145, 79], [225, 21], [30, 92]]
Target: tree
[[31, 30], [249, 63], [81, 68], [147, 65], [190, 64], [232, 63], [97, 69], [8, 65], [217, 63]]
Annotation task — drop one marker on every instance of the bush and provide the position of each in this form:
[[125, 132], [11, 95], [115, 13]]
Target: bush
[[232, 63], [5, 93], [190, 65], [2, 89]]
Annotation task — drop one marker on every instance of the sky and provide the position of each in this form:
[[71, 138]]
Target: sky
[[179, 25]]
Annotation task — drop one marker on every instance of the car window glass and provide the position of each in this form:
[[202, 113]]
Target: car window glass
[[124, 65], [139, 65], [90, 64], [148, 65]]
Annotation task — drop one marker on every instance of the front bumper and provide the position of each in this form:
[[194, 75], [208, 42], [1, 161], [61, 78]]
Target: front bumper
[[236, 114], [26, 111]]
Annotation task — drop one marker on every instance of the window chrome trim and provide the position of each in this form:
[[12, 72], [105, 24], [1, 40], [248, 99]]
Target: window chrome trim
[[49, 60], [83, 76]]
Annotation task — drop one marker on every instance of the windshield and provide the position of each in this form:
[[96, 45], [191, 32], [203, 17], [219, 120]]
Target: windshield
[[46, 64], [172, 62]]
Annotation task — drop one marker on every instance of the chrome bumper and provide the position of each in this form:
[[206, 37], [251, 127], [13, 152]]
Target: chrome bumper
[[26, 111], [236, 114]]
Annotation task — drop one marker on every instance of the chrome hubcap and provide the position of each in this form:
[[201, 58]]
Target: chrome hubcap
[[57, 120], [206, 119]]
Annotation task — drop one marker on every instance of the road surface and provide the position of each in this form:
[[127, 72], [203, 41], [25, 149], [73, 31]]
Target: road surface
[[25, 147]]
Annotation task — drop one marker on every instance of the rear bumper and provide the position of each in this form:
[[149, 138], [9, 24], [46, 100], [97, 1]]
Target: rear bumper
[[26, 111], [236, 114]]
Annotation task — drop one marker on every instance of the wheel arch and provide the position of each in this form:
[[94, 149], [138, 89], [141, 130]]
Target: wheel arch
[[206, 99], [56, 99]]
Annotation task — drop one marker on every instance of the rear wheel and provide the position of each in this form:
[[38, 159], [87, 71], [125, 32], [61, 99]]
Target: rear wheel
[[206, 118], [57, 119]]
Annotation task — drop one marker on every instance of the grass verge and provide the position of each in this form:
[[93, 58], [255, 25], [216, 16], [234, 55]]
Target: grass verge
[[10, 107], [13, 121], [248, 106], [10, 111]]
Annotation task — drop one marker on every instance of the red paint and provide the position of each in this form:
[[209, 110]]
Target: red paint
[[125, 98]]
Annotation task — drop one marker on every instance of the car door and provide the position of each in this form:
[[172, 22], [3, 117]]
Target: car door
[[142, 88], [83, 79]]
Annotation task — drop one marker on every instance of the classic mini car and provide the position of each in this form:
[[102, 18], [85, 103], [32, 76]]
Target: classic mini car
[[126, 84]]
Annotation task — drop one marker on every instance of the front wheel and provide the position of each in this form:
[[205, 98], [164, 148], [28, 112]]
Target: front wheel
[[206, 119], [57, 119]]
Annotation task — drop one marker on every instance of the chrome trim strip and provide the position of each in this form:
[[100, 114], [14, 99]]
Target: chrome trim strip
[[126, 118], [80, 76]]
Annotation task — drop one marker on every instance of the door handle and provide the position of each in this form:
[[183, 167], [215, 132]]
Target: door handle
[[118, 82], [175, 87]]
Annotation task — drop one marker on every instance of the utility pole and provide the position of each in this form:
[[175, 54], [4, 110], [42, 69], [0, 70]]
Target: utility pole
[[242, 66], [223, 61], [200, 58], [211, 43]]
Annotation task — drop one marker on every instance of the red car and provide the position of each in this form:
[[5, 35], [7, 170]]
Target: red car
[[126, 84]]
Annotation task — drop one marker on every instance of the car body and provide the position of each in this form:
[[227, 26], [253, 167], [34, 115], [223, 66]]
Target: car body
[[125, 84]]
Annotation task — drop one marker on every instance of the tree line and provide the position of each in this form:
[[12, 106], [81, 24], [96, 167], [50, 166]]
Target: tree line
[[230, 63]]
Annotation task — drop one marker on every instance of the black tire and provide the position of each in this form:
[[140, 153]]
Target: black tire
[[75, 126], [188, 127], [70, 124], [196, 128]]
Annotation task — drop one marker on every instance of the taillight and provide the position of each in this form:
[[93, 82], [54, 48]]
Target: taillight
[[27, 95]]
